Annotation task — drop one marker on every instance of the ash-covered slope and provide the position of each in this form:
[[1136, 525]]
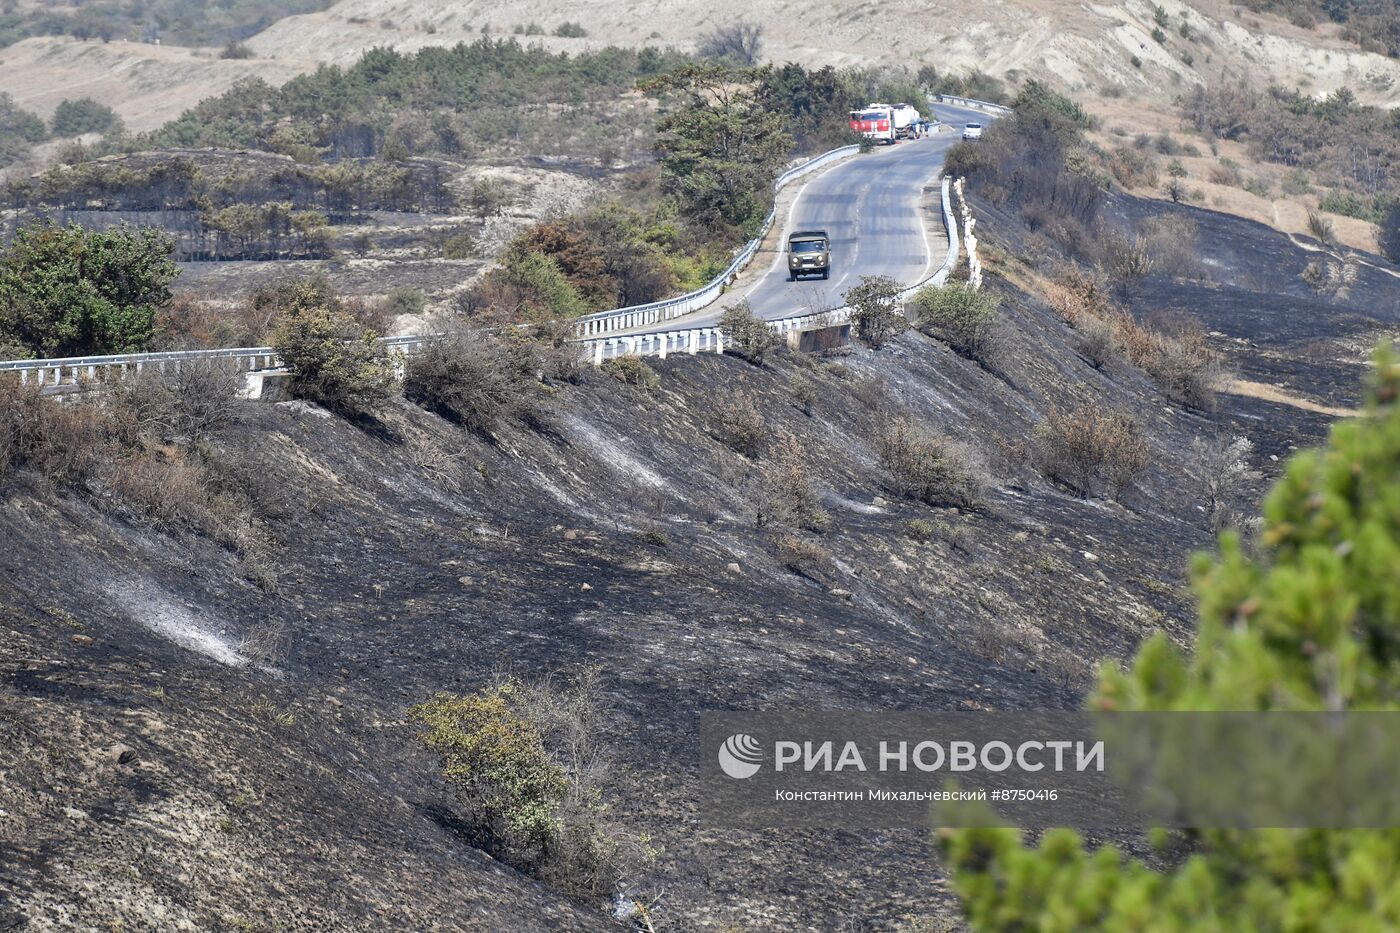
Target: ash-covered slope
[[165, 768]]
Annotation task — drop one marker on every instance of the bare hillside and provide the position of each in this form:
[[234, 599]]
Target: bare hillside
[[1079, 46], [146, 84]]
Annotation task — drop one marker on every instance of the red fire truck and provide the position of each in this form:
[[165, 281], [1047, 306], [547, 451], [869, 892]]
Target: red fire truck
[[886, 124]]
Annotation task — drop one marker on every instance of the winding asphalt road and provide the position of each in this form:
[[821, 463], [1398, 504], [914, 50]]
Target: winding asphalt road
[[870, 206]]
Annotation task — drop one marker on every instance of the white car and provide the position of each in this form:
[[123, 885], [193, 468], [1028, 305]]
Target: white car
[[972, 131]]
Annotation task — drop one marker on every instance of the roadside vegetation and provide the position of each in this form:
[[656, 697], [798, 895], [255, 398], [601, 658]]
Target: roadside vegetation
[[529, 764], [1272, 634], [1038, 165], [1351, 148], [966, 319]]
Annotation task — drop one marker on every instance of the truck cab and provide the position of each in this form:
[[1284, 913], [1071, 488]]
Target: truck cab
[[809, 253]]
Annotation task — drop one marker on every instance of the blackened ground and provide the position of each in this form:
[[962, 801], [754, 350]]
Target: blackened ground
[[416, 558]]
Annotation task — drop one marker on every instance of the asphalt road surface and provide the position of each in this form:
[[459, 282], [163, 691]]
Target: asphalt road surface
[[869, 205]]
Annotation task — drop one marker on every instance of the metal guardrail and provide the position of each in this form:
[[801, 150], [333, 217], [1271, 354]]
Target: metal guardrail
[[603, 322], [79, 369], [974, 104], [711, 339], [75, 370]]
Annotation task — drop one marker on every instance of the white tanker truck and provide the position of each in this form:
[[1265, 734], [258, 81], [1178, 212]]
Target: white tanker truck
[[886, 123]]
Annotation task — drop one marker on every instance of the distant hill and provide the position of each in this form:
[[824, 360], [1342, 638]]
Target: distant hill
[[1123, 48]]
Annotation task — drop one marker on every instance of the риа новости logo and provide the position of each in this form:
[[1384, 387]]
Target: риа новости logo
[[740, 756]]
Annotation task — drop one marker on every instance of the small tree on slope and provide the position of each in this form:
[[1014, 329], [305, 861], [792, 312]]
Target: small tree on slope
[[1312, 623]]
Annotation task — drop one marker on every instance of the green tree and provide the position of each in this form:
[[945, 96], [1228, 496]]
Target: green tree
[[1309, 623], [333, 359], [19, 129], [719, 147], [67, 291], [84, 115], [815, 105]]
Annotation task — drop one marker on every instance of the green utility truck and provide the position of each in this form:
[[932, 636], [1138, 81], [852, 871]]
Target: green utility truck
[[809, 253]]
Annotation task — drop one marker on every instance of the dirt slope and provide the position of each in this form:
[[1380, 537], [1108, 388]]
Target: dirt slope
[[155, 776], [146, 84], [1081, 46]]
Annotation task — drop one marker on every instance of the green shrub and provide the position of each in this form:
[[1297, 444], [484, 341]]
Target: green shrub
[[333, 359], [526, 760], [921, 529], [570, 30], [459, 246], [1303, 621], [474, 378], [19, 131], [496, 759], [1371, 208], [406, 300], [875, 312], [745, 335], [1087, 449], [67, 291], [1259, 187], [929, 467], [966, 319]]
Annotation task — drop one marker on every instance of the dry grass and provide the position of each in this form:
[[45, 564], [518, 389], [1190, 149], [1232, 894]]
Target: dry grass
[[141, 446], [805, 557], [1177, 357], [1088, 449], [736, 422], [633, 371], [929, 467], [62, 443]]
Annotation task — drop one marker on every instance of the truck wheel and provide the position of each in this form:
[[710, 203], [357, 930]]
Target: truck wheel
[[826, 274]]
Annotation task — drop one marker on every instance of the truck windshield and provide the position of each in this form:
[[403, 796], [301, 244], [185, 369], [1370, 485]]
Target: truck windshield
[[807, 246], [873, 115]]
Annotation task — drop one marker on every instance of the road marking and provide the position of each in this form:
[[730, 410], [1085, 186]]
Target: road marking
[[787, 226]]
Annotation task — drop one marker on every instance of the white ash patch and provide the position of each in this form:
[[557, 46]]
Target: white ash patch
[[611, 452], [164, 616]]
